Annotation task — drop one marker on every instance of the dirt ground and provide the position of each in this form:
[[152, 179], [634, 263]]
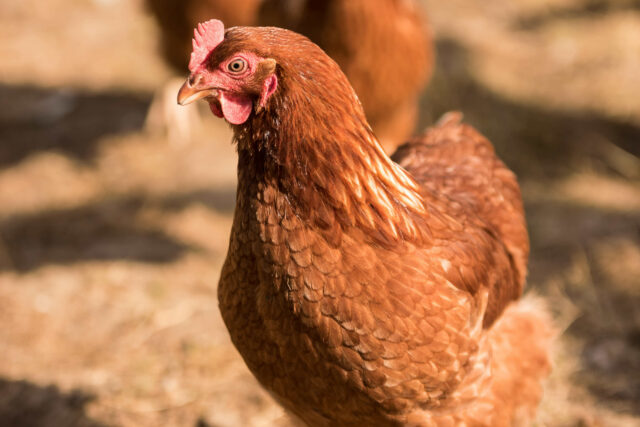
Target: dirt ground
[[112, 235]]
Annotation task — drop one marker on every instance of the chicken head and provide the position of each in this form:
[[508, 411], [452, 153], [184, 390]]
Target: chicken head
[[234, 83]]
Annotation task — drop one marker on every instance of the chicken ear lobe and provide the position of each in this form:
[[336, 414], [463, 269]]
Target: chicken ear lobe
[[267, 71]]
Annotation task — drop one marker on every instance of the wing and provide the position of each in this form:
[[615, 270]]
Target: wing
[[454, 160]]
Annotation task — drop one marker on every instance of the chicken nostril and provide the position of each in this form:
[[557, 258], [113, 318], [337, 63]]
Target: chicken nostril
[[194, 79]]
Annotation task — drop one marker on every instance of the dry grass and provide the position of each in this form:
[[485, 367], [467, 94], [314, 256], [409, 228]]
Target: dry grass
[[111, 239]]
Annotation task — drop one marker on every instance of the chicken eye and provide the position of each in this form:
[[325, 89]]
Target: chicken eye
[[237, 65]]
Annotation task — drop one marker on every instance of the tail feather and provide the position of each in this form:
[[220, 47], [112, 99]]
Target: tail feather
[[521, 342], [450, 118]]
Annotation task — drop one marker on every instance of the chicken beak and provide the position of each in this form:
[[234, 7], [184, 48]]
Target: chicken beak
[[191, 92]]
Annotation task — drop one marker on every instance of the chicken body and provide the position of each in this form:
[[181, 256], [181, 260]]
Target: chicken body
[[357, 291], [356, 334]]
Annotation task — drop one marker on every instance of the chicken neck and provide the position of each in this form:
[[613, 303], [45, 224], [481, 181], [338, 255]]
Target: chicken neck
[[330, 175]]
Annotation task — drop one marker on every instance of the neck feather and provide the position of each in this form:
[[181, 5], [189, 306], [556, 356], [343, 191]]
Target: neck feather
[[333, 175]]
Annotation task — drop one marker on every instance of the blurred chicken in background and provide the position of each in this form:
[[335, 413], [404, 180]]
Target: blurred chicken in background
[[177, 19], [384, 47]]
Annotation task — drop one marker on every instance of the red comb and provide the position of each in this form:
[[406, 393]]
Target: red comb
[[206, 37]]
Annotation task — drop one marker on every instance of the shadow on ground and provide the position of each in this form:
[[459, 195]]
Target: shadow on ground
[[105, 230], [23, 404], [611, 367], [533, 141], [67, 121], [565, 262]]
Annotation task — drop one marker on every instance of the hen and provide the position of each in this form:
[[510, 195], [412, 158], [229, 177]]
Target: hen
[[361, 291]]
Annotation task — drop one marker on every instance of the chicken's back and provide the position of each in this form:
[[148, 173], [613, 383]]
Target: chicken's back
[[454, 160], [520, 343]]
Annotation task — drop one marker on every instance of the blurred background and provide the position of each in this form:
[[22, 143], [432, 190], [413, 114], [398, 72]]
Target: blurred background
[[113, 232]]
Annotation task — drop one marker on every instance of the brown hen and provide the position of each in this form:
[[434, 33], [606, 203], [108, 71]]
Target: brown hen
[[358, 291]]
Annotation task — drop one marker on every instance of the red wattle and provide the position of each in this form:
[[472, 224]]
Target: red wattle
[[235, 108], [215, 109]]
